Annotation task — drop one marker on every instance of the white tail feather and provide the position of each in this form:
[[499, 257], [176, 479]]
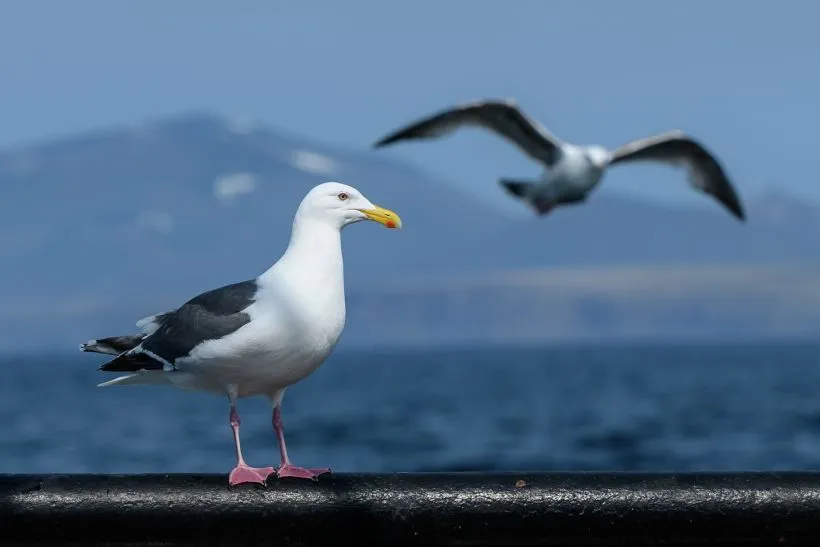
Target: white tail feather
[[138, 379]]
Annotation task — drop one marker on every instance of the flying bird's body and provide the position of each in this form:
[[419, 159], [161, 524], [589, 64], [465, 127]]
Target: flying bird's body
[[569, 180], [255, 337], [571, 172]]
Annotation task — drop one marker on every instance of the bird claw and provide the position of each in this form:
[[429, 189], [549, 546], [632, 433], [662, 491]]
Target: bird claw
[[288, 470], [244, 474]]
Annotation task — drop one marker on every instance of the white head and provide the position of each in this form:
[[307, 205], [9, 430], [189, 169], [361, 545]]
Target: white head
[[339, 205]]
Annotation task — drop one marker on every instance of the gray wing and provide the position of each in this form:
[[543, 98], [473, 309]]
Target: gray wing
[[676, 148], [502, 117], [209, 316]]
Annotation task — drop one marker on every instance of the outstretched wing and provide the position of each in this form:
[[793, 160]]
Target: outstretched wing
[[502, 117], [678, 149]]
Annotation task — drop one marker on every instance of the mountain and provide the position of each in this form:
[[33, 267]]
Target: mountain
[[103, 227]]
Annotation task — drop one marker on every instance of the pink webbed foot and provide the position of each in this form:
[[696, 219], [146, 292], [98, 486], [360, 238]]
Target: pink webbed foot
[[289, 470], [243, 474]]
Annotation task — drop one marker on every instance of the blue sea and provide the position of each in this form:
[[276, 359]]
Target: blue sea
[[644, 408]]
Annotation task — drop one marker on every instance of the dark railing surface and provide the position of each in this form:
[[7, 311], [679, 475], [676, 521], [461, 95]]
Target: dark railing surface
[[464, 509]]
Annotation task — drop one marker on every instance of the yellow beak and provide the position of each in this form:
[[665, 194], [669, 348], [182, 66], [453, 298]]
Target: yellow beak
[[383, 216]]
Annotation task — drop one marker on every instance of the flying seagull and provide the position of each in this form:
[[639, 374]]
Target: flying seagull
[[255, 337], [571, 172]]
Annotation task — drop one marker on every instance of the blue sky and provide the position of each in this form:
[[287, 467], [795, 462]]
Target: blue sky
[[742, 77]]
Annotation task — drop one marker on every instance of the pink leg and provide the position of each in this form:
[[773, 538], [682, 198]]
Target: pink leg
[[243, 473], [286, 469]]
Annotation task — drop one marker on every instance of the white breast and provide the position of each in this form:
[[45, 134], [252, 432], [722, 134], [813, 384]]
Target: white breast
[[576, 169], [290, 334]]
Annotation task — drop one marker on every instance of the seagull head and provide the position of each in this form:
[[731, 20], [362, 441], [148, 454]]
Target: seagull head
[[339, 205]]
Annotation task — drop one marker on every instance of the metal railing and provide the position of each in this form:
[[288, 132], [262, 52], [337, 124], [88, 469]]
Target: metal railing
[[431, 509]]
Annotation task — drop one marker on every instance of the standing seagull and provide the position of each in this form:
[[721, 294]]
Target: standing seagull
[[260, 336], [571, 172]]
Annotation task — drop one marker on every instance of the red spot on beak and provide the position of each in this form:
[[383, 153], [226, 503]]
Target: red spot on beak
[[390, 224]]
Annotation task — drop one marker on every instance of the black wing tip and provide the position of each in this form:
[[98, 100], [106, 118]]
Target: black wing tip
[[730, 199], [386, 141], [113, 345], [732, 203], [514, 187], [405, 134], [117, 364], [130, 363], [124, 367], [740, 214], [112, 366], [96, 346]]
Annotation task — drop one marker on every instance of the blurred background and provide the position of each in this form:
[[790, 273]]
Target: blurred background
[[152, 150]]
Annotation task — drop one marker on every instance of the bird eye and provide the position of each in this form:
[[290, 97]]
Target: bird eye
[[342, 196]]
